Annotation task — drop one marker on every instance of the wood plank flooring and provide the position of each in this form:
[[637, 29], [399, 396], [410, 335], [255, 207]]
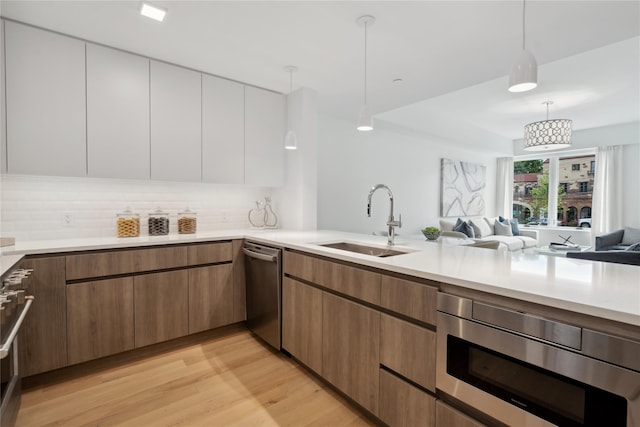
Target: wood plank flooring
[[226, 380]]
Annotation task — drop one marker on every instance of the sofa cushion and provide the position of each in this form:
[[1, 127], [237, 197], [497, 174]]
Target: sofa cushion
[[502, 228], [634, 248], [464, 227], [630, 236], [447, 224], [491, 223], [480, 227], [509, 241], [515, 230], [528, 242]]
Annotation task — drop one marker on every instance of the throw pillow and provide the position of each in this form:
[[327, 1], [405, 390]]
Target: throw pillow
[[503, 228], [447, 224], [480, 227], [630, 236], [464, 227], [514, 227], [634, 248], [490, 222]]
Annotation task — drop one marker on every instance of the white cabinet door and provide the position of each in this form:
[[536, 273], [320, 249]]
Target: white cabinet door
[[263, 138], [117, 114], [222, 131], [176, 142], [46, 103], [3, 128]]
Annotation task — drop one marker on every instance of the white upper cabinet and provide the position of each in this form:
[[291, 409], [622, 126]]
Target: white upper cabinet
[[117, 114], [176, 141], [46, 104], [263, 143], [222, 131]]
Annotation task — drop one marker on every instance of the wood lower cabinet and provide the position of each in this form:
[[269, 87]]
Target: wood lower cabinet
[[100, 318], [210, 297], [412, 299], [161, 306], [403, 405], [446, 416], [409, 350], [302, 322], [43, 340], [351, 349]]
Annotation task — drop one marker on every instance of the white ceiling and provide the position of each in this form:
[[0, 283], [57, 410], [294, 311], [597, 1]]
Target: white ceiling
[[453, 54]]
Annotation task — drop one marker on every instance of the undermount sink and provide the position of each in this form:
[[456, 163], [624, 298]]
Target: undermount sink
[[363, 249]]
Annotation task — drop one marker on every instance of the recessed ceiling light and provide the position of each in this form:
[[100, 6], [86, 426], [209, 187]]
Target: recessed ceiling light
[[398, 81], [153, 12]]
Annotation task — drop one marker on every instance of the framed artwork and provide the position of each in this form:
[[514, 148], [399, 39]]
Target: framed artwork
[[463, 186]]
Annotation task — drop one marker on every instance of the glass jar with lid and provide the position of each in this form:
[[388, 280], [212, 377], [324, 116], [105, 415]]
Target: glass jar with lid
[[158, 223], [128, 223], [187, 222]]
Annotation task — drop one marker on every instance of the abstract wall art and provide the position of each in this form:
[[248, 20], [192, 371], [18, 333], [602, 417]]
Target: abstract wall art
[[463, 186]]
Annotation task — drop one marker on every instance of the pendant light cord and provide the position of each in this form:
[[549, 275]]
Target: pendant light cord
[[365, 63], [290, 80], [524, 6]]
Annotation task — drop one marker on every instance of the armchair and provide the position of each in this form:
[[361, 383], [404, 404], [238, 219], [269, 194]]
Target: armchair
[[618, 240]]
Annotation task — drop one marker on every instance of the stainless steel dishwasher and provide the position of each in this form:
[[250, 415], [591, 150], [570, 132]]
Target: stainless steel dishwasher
[[263, 277]]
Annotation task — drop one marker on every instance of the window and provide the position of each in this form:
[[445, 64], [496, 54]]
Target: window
[[592, 169], [574, 194]]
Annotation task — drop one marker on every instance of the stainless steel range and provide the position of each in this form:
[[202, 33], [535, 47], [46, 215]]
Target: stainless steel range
[[525, 370], [14, 306]]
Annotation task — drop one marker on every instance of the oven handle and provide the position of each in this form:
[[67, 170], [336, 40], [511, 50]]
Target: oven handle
[[263, 257], [4, 350]]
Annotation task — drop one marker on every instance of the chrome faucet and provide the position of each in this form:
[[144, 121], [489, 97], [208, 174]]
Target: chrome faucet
[[390, 222]]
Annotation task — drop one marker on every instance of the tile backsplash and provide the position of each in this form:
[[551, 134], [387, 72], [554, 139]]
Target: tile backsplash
[[40, 208]]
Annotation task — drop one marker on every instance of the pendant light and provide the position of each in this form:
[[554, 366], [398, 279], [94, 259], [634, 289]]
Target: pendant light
[[365, 120], [290, 140], [547, 134], [524, 74]]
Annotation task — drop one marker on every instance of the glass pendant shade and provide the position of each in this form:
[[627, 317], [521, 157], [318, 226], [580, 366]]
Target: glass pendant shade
[[291, 141], [547, 135], [365, 120], [524, 74]]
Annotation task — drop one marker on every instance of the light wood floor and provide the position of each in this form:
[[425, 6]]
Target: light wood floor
[[229, 380]]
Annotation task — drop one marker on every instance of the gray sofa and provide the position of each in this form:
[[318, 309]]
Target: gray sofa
[[618, 240], [619, 257]]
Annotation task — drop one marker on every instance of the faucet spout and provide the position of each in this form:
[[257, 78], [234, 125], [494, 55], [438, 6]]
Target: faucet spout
[[390, 222]]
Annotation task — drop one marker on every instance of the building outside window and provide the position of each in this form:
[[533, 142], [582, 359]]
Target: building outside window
[[574, 192]]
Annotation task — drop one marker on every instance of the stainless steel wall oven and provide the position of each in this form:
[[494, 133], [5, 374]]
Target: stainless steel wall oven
[[525, 370]]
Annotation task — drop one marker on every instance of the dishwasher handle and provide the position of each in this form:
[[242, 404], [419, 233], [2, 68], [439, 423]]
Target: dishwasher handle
[[263, 257]]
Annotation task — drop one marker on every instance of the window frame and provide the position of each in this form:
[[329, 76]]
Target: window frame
[[554, 178]]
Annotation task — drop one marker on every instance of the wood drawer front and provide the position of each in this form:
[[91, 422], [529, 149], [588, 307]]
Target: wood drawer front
[[209, 253], [101, 264], [408, 350], [412, 299], [99, 318], [358, 283], [403, 405], [446, 416]]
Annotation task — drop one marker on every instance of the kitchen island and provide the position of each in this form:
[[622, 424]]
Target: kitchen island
[[365, 324]]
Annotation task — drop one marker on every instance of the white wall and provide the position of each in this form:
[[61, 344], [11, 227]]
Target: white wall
[[351, 162], [34, 207], [298, 197]]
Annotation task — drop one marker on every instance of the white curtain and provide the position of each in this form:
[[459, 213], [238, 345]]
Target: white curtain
[[504, 187], [606, 214]]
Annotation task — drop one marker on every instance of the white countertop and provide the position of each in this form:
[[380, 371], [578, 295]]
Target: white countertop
[[601, 289]]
